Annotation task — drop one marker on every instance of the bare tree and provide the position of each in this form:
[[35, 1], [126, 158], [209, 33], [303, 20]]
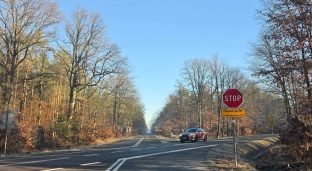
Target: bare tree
[[120, 86], [288, 33], [286, 47], [23, 25], [266, 66], [218, 82], [222, 77], [89, 57], [196, 73]]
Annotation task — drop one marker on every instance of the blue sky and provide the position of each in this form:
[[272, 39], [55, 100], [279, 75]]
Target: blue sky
[[158, 36]]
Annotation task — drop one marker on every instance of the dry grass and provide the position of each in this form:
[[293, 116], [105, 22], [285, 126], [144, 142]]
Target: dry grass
[[106, 141], [221, 158]]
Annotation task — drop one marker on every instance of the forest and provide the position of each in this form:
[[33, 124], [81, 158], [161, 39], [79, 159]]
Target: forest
[[68, 85], [276, 83], [197, 102], [62, 78]]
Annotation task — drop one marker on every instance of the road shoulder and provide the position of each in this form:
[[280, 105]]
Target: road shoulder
[[222, 157]]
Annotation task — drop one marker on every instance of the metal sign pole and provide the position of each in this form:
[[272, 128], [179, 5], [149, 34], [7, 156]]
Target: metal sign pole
[[6, 132], [234, 140]]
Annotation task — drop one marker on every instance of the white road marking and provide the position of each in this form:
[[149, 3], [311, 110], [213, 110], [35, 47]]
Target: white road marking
[[86, 164], [118, 166], [117, 151], [137, 149], [41, 156], [122, 160], [91, 155], [136, 144], [73, 152], [38, 161], [106, 149], [112, 166], [53, 169], [150, 147], [164, 141], [166, 152]]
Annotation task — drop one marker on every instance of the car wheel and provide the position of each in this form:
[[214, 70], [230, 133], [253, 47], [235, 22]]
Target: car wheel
[[205, 139], [181, 141]]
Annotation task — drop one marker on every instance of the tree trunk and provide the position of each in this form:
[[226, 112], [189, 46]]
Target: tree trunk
[[199, 111], [219, 122], [8, 85], [15, 87], [114, 111]]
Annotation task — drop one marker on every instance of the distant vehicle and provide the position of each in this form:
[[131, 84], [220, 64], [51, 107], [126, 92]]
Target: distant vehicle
[[193, 135]]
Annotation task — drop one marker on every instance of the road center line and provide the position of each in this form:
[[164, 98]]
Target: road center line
[[38, 161], [53, 169], [150, 147], [122, 160], [117, 151], [166, 152], [86, 164], [137, 149], [73, 152], [91, 155]]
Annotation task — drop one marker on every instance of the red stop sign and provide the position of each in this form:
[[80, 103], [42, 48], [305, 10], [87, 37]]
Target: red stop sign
[[232, 98]]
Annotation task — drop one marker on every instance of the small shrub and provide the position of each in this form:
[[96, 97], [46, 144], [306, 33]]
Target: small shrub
[[169, 134], [298, 136]]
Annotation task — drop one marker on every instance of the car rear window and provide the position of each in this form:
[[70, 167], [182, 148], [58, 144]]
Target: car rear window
[[191, 130]]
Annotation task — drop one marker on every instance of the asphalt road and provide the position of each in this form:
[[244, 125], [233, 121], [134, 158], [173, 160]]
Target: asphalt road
[[141, 153]]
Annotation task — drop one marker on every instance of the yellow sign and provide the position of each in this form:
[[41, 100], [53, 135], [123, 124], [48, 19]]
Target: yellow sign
[[233, 113], [271, 120]]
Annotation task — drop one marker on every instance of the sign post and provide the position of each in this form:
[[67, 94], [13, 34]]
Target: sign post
[[235, 141], [233, 99], [271, 122], [7, 118]]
